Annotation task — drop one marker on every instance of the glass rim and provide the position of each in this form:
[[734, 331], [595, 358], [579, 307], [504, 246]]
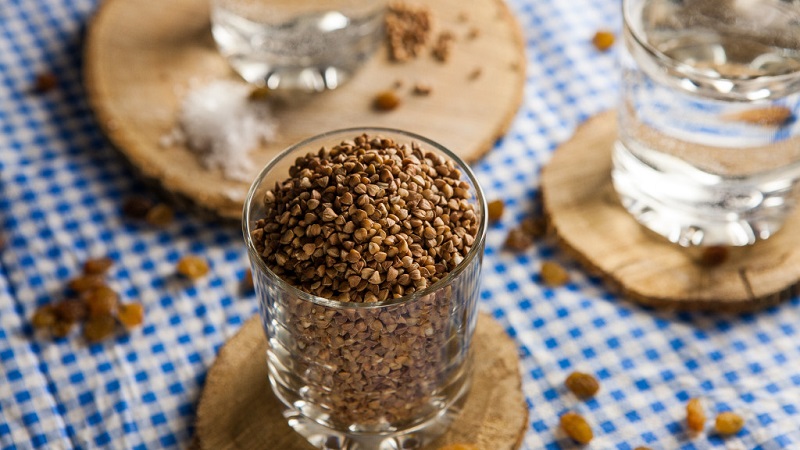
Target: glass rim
[[475, 251], [639, 36]]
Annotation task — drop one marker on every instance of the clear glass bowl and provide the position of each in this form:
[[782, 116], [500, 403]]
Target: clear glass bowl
[[380, 375]]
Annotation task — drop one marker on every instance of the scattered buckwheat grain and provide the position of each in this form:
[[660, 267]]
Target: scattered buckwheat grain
[[407, 30]]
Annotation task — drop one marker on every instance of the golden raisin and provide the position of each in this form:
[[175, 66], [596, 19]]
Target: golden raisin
[[517, 240], [98, 328], [713, 256], [97, 266], [642, 447], [771, 116], [494, 210], [45, 82], [44, 317], [247, 282], [136, 207], [160, 215], [101, 301], [259, 93], [386, 101], [192, 267], [582, 384], [729, 423], [695, 415], [85, 283], [459, 447], [553, 274], [70, 311], [603, 40], [131, 314], [61, 328], [576, 427]]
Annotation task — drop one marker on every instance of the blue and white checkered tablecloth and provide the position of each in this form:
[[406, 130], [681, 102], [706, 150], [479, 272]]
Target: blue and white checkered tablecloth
[[61, 186]]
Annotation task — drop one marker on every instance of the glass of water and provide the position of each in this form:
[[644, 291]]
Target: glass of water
[[709, 148], [297, 45]]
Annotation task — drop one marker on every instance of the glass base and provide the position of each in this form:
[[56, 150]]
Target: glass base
[[292, 79], [417, 436], [692, 208]]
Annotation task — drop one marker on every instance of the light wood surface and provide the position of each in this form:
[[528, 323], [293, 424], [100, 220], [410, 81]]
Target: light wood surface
[[237, 409], [590, 222], [142, 55]]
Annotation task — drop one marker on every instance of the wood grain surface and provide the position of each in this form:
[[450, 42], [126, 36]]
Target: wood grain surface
[[591, 224], [141, 57], [238, 410]]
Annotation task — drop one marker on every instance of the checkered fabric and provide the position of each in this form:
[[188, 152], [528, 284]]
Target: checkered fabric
[[61, 186]]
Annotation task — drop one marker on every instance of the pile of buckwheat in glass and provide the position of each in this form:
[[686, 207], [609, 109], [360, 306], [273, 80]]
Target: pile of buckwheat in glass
[[369, 220]]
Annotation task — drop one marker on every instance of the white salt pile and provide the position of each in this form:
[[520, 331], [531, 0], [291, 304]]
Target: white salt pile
[[222, 125]]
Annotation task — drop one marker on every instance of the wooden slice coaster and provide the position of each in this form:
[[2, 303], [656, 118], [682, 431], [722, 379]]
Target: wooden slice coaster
[[238, 410], [141, 55], [591, 223]]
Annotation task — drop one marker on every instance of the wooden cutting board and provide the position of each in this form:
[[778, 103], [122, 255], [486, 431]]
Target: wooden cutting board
[[238, 410], [141, 56]]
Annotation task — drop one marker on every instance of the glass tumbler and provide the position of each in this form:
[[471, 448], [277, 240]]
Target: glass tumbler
[[378, 375], [297, 45], [709, 148]]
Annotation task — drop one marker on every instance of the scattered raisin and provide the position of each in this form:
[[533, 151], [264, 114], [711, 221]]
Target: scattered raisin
[[386, 101], [247, 282], [259, 93], [70, 311], [576, 427], [85, 283], [192, 267], [101, 301], [729, 423], [582, 384], [44, 317], [771, 116], [603, 40], [534, 227], [97, 266], [695, 416], [98, 328], [553, 274], [494, 210], [517, 240], [45, 82], [160, 215], [130, 314], [713, 256], [61, 328], [459, 447], [136, 207]]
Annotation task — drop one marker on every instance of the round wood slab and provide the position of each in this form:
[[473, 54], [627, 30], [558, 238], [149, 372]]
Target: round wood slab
[[590, 223], [141, 56], [238, 410]]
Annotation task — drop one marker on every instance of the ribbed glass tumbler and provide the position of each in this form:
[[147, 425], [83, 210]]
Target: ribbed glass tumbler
[[387, 374]]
